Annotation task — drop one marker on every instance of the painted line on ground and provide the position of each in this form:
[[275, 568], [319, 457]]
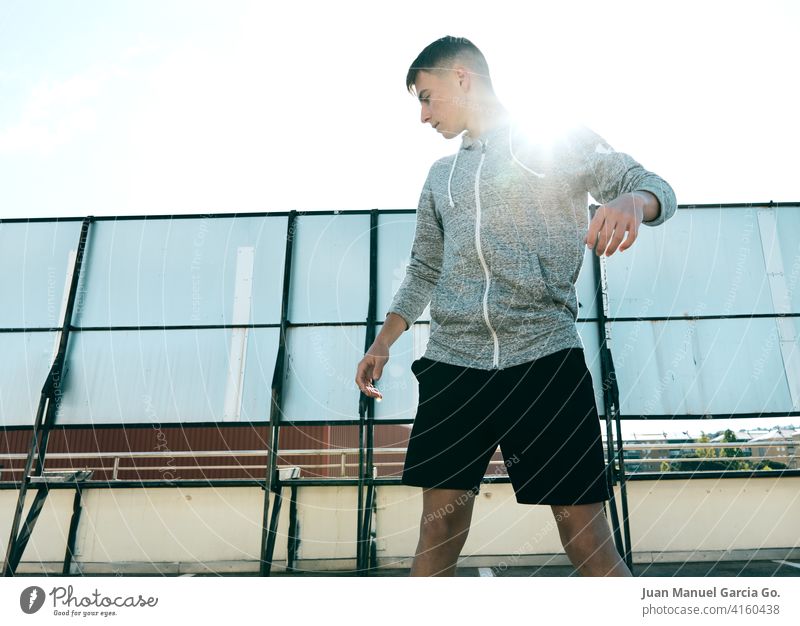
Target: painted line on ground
[[789, 563]]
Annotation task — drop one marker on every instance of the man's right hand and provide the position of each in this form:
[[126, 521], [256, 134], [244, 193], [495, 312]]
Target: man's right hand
[[370, 368]]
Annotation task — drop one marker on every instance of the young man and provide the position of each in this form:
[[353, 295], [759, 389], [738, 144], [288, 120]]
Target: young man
[[501, 231]]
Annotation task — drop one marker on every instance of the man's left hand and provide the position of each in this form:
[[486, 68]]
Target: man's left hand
[[612, 220]]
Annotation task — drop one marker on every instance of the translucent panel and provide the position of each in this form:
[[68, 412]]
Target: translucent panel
[[788, 232], [194, 271], [701, 262], [320, 380], [695, 368], [330, 269], [144, 272], [35, 263], [395, 238], [320, 384], [397, 383], [26, 361], [156, 376], [590, 337], [589, 302]]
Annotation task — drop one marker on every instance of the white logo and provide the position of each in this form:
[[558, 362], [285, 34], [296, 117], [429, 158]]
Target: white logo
[[31, 599]]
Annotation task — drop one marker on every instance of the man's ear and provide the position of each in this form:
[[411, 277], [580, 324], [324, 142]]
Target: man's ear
[[463, 77]]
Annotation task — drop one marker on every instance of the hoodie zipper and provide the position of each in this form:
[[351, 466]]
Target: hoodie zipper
[[496, 359]]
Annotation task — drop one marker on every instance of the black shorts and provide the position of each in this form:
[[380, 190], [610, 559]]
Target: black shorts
[[542, 414]]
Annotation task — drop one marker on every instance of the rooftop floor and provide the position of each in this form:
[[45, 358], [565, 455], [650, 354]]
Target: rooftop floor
[[722, 569]]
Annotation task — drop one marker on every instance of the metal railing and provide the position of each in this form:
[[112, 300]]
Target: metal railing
[[116, 468], [786, 453], [120, 471]]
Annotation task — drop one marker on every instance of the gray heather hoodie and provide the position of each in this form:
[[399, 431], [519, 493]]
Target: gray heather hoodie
[[499, 242]]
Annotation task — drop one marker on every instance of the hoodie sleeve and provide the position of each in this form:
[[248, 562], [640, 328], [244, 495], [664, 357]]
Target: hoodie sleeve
[[425, 266], [607, 174]]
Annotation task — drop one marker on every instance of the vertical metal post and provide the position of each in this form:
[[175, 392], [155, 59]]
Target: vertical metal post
[[27, 529], [73, 531], [8, 569], [372, 539], [272, 480], [359, 513], [294, 534], [367, 417], [623, 485], [45, 418], [273, 530], [611, 410]]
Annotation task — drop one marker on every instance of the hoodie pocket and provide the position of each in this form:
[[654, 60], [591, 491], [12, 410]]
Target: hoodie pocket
[[456, 305], [517, 284], [538, 281], [559, 270]]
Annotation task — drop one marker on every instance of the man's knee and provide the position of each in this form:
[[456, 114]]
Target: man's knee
[[579, 521], [440, 531]]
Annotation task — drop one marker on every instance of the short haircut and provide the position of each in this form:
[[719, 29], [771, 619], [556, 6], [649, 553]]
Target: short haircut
[[443, 54]]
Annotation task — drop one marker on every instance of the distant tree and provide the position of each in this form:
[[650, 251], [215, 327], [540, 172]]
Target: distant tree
[[730, 437], [704, 453], [708, 459]]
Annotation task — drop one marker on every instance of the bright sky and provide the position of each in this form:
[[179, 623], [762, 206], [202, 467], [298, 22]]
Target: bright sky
[[134, 107], [152, 107]]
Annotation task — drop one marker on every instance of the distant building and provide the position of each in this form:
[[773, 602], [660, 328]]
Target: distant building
[[785, 443], [636, 458]]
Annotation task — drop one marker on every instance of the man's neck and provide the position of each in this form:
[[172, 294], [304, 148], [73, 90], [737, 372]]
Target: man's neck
[[484, 122]]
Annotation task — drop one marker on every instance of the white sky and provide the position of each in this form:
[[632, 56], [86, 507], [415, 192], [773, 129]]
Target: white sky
[[112, 108], [151, 107]]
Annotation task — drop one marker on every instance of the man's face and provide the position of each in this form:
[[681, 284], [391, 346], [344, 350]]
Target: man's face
[[442, 100]]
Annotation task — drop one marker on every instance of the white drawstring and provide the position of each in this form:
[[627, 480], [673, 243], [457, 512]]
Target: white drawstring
[[510, 149], [515, 157]]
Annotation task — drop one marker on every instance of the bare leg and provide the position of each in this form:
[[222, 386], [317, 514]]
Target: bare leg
[[446, 516], [587, 540]]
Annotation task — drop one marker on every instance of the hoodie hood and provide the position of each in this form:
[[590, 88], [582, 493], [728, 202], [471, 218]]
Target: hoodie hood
[[505, 127], [469, 142]]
